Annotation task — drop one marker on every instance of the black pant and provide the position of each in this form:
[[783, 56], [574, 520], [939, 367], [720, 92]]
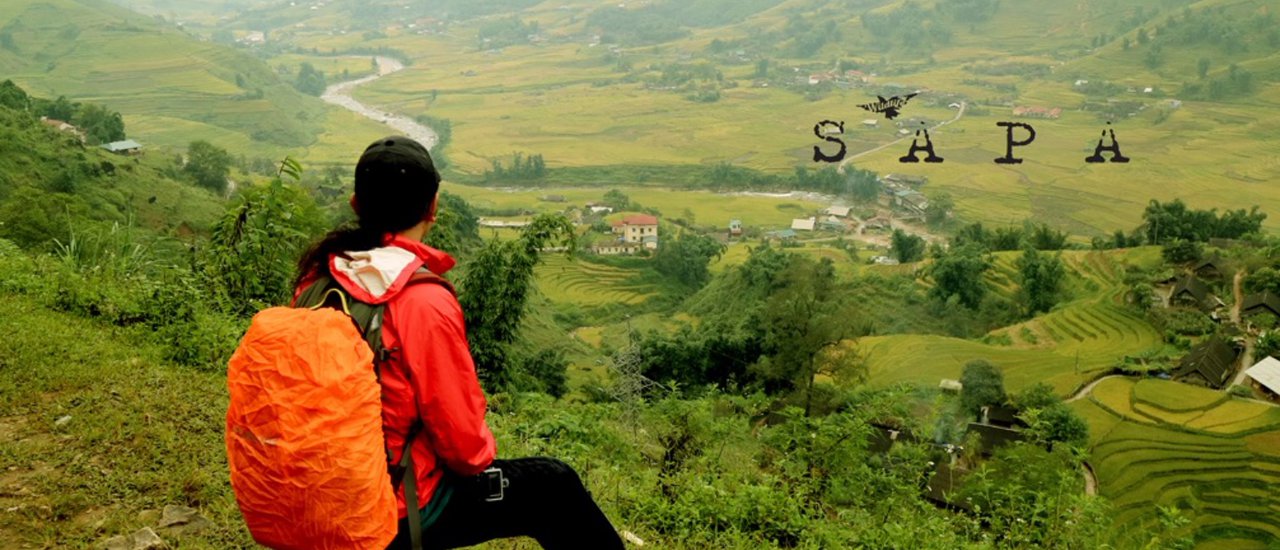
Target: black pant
[[545, 499]]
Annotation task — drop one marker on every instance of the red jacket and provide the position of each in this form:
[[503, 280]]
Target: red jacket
[[423, 327]]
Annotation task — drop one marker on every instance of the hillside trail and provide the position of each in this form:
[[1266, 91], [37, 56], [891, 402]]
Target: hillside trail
[[847, 160], [340, 94], [1246, 359], [1084, 392]]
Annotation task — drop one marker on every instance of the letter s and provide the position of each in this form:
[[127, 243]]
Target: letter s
[[818, 155]]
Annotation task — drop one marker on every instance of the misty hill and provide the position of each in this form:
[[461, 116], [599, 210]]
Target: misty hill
[[170, 86]]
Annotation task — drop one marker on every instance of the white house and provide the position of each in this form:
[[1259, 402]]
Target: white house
[[804, 224]]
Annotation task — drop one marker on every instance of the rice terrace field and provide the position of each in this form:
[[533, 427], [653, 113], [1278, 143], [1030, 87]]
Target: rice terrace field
[[1065, 347], [584, 283], [1214, 456]]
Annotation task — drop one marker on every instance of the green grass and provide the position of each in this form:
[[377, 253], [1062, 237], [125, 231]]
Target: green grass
[[708, 209], [171, 88], [1146, 455], [1073, 343], [584, 283]]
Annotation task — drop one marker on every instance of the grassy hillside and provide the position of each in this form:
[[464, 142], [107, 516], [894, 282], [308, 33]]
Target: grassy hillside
[[52, 185], [1063, 348], [171, 87], [1175, 445]]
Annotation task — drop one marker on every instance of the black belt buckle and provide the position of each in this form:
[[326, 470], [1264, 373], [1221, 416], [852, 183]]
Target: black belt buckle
[[494, 484]]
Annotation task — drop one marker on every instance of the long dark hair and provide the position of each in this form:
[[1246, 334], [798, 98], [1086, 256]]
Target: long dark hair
[[396, 182]]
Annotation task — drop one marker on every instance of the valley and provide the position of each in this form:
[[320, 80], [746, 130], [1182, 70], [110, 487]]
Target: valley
[[736, 345]]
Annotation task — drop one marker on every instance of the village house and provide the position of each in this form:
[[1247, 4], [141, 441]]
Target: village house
[[1190, 291], [832, 223], [878, 223], [904, 180], [61, 126], [838, 211], [735, 228], [126, 147], [783, 235], [910, 200], [804, 224], [633, 229], [1210, 268], [1266, 374], [615, 249], [1038, 112], [1209, 364], [1260, 304]]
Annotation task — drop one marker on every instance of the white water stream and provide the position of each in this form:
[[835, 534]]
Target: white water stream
[[340, 95]]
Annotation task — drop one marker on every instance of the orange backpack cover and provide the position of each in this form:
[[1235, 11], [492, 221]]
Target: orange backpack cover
[[304, 433]]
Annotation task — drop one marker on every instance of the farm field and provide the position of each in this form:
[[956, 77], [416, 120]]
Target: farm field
[[1071, 343], [584, 283], [1146, 452], [563, 101], [707, 208]]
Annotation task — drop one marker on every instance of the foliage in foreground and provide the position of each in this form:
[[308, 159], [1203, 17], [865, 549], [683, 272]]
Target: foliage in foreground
[[701, 473]]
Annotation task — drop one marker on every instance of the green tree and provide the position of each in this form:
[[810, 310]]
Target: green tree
[[545, 371], [958, 274], [496, 287], [686, 259], [1202, 67], [309, 80], [208, 165], [60, 109], [14, 97], [100, 124], [248, 263], [804, 322], [618, 200], [1181, 252], [939, 209], [1043, 237], [1041, 279], [457, 227], [762, 68], [863, 185], [1265, 279], [982, 385], [907, 247]]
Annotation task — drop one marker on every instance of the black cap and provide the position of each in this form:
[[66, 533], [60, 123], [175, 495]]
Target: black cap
[[395, 183]]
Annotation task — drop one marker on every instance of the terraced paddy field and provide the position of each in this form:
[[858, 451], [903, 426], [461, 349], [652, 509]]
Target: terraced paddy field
[[583, 283], [1064, 347], [1217, 458]]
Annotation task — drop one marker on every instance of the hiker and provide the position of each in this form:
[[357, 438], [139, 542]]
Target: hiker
[[428, 378]]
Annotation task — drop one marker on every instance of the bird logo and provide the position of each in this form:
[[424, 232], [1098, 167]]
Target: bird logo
[[889, 106]]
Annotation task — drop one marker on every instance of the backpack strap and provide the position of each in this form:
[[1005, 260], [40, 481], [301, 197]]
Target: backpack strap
[[410, 477]]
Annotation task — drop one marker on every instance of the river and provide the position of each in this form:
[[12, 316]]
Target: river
[[340, 94]]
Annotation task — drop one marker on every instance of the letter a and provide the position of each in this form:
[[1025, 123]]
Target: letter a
[[916, 147], [1010, 143], [818, 155], [1116, 155]]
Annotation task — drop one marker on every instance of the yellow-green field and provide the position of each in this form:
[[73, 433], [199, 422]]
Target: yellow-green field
[[708, 208], [1156, 442], [1071, 344], [584, 283]]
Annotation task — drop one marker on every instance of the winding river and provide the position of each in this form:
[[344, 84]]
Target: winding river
[[340, 95]]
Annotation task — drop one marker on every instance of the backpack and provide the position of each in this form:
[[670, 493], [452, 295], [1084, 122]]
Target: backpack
[[309, 465]]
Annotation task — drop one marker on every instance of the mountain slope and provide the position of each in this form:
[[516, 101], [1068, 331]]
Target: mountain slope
[[171, 87]]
